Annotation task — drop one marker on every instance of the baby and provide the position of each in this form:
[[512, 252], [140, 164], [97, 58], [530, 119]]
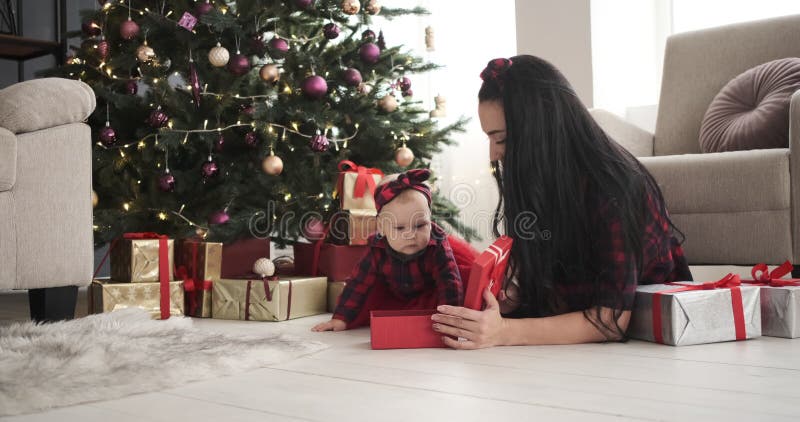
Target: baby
[[410, 264]]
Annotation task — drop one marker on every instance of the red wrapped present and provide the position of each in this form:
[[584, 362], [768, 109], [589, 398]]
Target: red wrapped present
[[333, 261], [198, 264], [238, 257], [413, 329], [356, 186]]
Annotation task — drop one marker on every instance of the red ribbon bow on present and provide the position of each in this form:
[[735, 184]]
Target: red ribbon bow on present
[[364, 181], [763, 277], [730, 281], [268, 294]]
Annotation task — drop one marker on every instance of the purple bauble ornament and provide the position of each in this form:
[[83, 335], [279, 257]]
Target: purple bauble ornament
[[131, 87], [331, 30], [218, 217], [319, 143], [313, 229], [258, 44], [370, 53], [304, 4], [166, 182], [408, 93], [368, 35], [247, 109], [203, 8], [107, 135], [210, 168], [102, 49], [404, 83], [278, 47], [90, 29], [219, 144], [352, 77], [129, 30], [239, 64], [157, 118], [251, 139], [315, 87]]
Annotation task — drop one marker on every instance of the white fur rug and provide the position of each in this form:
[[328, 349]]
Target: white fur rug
[[108, 356]]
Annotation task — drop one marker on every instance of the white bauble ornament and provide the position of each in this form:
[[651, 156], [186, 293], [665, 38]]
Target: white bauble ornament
[[219, 56], [351, 7], [264, 267], [145, 53]]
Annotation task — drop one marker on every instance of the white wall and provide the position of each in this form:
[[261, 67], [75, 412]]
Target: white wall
[[466, 39], [559, 31]]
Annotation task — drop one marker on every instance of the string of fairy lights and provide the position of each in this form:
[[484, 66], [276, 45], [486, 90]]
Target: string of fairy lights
[[275, 132]]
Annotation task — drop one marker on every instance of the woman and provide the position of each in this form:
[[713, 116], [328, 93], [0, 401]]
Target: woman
[[600, 224]]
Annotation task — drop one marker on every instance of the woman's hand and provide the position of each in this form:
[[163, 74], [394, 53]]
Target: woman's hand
[[332, 325], [480, 328]]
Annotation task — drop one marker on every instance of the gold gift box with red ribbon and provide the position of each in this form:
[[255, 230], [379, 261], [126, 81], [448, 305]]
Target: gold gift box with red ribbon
[[780, 300], [136, 257], [352, 227], [355, 186], [335, 289], [198, 264], [105, 296], [269, 299], [685, 313]]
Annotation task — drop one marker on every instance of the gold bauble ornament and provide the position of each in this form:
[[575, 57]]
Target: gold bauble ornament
[[219, 56], [403, 156], [272, 165], [388, 103], [373, 7], [270, 73], [351, 7], [145, 53], [95, 199]]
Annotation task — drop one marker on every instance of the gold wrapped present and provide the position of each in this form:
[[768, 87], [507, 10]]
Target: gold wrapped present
[[334, 291], [255, 299], [353, 227], [203, 260], [199, 264], [105, 296], [135, 258], [355, 186]]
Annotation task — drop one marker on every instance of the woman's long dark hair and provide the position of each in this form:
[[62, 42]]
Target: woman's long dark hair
[[558, 167]]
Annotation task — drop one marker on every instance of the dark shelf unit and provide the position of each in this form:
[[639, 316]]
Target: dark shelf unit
[[20, 48]]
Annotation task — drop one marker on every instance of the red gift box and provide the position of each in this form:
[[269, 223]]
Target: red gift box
[[334, 261], [238, 257], [414, 329]]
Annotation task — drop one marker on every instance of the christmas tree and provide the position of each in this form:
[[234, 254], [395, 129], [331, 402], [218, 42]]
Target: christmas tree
[[228, 119]]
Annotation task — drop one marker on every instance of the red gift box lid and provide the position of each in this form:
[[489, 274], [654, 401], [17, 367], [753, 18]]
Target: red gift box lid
[[488, 270]]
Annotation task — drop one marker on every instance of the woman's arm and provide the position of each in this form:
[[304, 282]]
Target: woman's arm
[[488, 328]]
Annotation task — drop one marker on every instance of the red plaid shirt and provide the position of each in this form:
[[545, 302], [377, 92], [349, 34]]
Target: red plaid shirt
[[435, 268], [662, 257]]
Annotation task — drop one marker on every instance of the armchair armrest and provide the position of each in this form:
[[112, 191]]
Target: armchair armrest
[[633, 138], [794, 171], [8, 160], [44, 103]]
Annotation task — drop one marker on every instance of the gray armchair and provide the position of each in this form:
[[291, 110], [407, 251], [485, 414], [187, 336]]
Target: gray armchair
[[736, 208], [45, 192]]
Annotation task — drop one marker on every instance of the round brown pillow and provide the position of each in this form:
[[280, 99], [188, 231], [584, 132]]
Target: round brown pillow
[[752, 110]]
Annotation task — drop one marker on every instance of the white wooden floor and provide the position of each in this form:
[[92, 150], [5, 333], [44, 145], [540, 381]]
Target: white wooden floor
[[756, 380]]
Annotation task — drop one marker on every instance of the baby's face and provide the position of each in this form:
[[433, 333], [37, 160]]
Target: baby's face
[[406, 223]]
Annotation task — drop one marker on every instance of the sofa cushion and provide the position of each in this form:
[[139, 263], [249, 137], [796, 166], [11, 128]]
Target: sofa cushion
[[8, 159], [723, 182], [44, 103], [752, 110]]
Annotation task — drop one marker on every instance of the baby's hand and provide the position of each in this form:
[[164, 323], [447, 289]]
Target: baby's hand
[[332, 325]]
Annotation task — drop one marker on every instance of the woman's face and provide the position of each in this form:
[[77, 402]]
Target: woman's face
[[493, 123]]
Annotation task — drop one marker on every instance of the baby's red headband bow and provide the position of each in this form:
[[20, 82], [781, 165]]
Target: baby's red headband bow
[[495, 68], [412, 179]]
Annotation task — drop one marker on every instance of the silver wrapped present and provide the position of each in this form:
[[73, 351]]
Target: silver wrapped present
[[780, 311], [708, 313]]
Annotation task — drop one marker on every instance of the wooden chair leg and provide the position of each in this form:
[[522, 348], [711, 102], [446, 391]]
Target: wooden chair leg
[[53, 303]]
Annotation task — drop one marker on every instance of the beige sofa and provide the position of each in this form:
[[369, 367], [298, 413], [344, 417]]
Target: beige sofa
[[45, 186], [736, 208]]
